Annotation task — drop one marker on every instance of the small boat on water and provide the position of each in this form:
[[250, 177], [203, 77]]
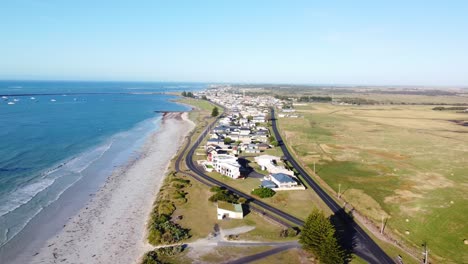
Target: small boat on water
[[11, 103], [53, 100], [33, 98], [16, 100], [4, 97]]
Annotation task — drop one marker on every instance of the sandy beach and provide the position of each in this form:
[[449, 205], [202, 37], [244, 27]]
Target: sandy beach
[[111, 228]]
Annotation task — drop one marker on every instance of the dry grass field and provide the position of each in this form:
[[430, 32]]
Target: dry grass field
[[406, 163]]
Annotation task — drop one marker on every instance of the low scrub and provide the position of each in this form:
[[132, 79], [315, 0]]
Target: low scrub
[[155, 256], [263, 192], [221, 194], [289, 232]]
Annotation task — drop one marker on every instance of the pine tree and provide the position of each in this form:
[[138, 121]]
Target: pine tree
[[318, 237], [184, 94]]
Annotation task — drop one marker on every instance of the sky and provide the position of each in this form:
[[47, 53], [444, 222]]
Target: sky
[[304, 42]]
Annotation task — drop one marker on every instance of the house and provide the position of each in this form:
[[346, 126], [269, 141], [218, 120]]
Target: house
[[216, 136], [229, 210], [242, 138], [268, 184], [227, 165], [244, 131], [212, 151], [270, 164], [243, 121], [259, 119], [213, 142], [225, 121], [263, 146], [282, 180], [261, 136], [252, 150], [221, 129]]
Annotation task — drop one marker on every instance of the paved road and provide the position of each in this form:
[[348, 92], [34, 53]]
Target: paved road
[[363, 246], [261, 255], [256, 244]]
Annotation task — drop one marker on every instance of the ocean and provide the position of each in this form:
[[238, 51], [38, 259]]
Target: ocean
[[52, 134]]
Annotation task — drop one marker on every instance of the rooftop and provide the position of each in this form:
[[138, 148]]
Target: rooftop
[[230, 206], [283, 178], [268, 184]]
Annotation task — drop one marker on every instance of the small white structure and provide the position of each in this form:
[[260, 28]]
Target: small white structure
[[229, 210]]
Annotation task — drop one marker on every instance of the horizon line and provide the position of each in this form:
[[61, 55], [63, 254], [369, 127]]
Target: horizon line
[[241, 83]]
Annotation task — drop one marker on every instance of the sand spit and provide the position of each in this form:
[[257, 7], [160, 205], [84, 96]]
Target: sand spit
[[111, 228]]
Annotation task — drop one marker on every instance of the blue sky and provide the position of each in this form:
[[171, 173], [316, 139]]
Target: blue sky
[[313, 42]]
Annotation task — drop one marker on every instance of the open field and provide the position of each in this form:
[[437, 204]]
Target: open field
[[406, 163], [377, 94]]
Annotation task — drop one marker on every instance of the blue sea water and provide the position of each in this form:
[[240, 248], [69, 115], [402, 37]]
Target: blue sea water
[[53, 132]]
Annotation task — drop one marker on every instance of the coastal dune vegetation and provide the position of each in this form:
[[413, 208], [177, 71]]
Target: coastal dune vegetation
[[162, 228]]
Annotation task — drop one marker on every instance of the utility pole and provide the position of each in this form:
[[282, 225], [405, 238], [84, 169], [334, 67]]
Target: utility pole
[[426, 254], [314, 168], [339, 190]]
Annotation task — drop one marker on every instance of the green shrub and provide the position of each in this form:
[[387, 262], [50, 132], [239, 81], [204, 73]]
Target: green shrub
[[179, 194], [151, 258], [180, 180], [289, 232], [263, 192], [241, 200], [169, 251], [224, 195], [155, 256], [216, 189], [165, 207]]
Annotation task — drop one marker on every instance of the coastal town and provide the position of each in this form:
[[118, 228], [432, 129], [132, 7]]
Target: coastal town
[[241, 144]]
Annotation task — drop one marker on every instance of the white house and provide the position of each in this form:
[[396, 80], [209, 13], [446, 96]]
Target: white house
[[229, 210], [227, 165], [243, 121], [258, 118], [282, 180], [270, 164], [244, 131]]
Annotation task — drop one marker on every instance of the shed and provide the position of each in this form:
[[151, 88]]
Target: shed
[[229, 210]]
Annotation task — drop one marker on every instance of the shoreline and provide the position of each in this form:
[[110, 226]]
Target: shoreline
[[112, 226]]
